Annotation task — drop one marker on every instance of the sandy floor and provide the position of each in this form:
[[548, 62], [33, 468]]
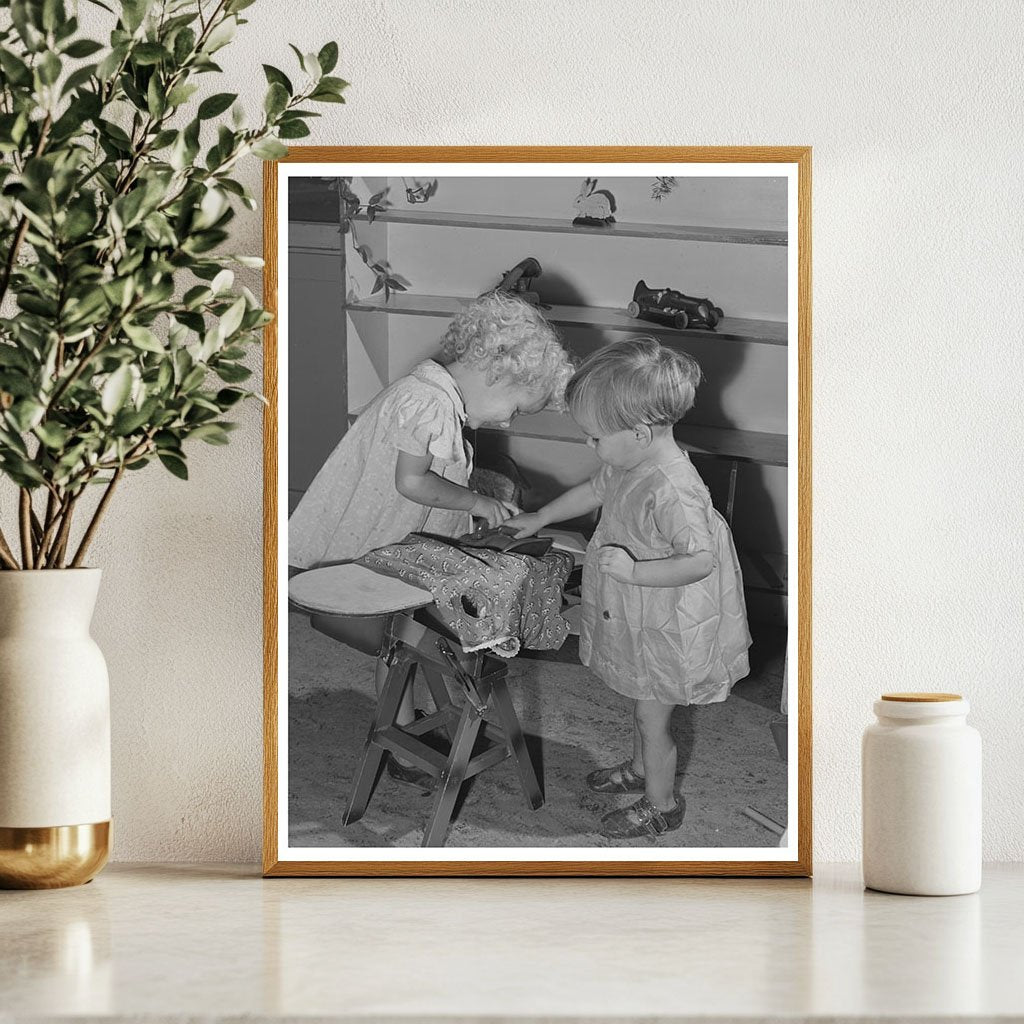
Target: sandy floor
[[727, 757]]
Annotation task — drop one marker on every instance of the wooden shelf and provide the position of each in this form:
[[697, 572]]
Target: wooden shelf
[[716, 442], [668, 232], [762, 332]]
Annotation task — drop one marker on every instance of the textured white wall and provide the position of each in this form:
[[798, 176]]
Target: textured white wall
[[913, 110]]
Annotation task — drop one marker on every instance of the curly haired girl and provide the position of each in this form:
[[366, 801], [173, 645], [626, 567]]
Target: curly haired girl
[[404, 465]]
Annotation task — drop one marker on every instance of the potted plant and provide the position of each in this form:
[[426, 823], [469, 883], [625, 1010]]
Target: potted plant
[[122, 340]]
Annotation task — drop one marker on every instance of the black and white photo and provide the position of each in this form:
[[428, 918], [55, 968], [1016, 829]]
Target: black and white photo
[[538, 578]]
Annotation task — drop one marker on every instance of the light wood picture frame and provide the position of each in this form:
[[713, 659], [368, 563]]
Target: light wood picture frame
[[355, 307]]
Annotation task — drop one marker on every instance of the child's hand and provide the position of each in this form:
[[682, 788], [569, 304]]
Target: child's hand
[[526, 524], [493, 511], [616, 563]]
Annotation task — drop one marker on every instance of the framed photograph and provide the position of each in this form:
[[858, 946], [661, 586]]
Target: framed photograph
[[538, 511]]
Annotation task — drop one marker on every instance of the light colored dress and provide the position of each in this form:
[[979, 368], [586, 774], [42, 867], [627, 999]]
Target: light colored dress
[[352, 505], [676, 645]]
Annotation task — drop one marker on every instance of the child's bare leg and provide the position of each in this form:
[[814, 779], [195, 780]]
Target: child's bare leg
[[659, 752], [638, 743]]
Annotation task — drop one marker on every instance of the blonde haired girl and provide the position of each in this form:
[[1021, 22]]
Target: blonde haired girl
[[664, 621]]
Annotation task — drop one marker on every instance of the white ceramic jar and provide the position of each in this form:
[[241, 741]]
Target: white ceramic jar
[[921, 778]]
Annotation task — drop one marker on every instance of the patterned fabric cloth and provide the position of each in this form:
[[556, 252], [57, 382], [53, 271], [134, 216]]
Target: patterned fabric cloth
[[677, 645], [352, 505], [486, 598]]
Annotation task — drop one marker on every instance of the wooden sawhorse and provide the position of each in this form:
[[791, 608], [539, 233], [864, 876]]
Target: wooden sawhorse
[[486, 707]]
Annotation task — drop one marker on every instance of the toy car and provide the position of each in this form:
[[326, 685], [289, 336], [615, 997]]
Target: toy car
[[667, 306]]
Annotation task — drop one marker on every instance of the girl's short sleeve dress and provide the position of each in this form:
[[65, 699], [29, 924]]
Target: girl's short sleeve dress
[[352, 505], [676, 645]]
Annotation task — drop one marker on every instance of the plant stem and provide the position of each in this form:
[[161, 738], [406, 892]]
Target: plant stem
[[19, 234], [97, 516], [12, 254], [87, 357], [50, 525], [6, 555], [25, 520], [56, 555]]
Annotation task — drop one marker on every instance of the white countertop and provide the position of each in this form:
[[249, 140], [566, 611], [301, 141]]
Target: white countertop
[[175, 941]]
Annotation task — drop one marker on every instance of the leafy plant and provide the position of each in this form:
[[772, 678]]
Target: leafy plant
[[385, 278], [116, 188]]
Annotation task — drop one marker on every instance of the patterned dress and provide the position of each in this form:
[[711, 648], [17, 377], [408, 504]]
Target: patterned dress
[[487, 598], [676, 645], [352, 505]]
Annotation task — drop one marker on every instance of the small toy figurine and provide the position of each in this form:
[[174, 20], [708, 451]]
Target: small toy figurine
[[667, 306], [594, 206], [519, 281]]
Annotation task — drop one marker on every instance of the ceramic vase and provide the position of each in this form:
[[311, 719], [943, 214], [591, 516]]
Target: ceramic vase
[[54, 731]]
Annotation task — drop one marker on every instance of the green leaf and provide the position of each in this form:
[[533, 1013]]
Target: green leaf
[[276, 99], [156, 100], [232, 319], [221, 35], [211, 433], [195, 297], [77, 79], [184, 44], [133, 13], [144, 338], [292, 130], [116, 390], [34, 304], [83, 48], [333, 84], [26, 413], [12, 356], [232, 373], [26, 20], [181, 94], [278, 77], [216, 104], [49, 68], [328, 57], [149, 53], [109, 65], [269, 149], [53, 435], [193, 379], [21, 471], [14, 68], [222, 281], [128, 421], [175, 465], [163, 139], [326, 96]]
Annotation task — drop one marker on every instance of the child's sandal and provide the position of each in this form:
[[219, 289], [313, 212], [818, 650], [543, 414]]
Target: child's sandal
[[642, 819], [620, 778]]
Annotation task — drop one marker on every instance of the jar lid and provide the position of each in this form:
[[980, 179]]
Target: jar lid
[[921, 706], [921, 698]]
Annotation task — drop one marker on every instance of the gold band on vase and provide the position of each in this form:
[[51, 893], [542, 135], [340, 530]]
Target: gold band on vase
[[52, 857]]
